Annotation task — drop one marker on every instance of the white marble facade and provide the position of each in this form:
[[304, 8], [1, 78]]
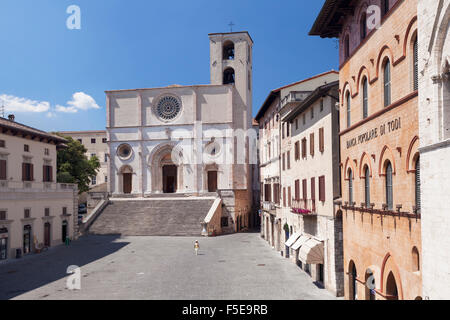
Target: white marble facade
[[186, 130]]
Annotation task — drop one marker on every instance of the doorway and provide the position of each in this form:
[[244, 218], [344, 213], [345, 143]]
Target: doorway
[[47, 228], [127, 182], [64, 231], [26, 239], [170, 179], [212, 181], [391, 287], [3, 244]]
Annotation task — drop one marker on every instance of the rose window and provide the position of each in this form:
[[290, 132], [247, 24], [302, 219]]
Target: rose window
[[168, 108]]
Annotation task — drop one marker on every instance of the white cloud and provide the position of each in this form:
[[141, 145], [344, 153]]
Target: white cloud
[[17, 104], [60, 108], [82, 101]]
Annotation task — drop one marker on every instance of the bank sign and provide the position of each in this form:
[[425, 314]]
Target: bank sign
[[385, 128]]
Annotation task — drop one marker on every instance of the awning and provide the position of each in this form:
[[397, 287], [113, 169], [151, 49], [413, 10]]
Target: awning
[[301, 241], [292, 239], [311, 252]]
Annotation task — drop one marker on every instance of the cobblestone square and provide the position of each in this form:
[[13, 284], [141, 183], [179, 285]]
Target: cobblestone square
[[240, 266]]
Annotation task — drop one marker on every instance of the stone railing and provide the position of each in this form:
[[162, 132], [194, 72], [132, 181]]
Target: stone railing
[[33, 186], [90, 218], [212, 225]]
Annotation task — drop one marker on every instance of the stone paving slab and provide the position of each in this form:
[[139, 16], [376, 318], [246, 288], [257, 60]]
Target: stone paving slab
[[227, 267]]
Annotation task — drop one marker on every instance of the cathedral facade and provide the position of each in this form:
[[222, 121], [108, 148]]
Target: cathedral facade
[[192, 140]]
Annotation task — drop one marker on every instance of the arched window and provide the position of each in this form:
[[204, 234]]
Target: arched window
[[347, 47], [415, 65], [389, 187], [367, 186], [387, 83], [365, 90], [417, 185], [384, 7], [350, 187], [348, 100], [228, 50], [363, 27], [415, 260], [228, 76]]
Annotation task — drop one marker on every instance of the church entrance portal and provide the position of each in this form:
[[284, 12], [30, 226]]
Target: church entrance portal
[[169, 179], [212, 181], [127, 182]]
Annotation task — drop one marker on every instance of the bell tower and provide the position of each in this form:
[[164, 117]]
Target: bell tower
[[231, 64]]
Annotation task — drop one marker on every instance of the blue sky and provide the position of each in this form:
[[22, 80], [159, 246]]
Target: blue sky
[[54, 78]]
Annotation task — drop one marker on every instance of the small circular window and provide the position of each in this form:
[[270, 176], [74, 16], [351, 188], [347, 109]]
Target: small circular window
[[124, 151], [213, 149], [168, 108]]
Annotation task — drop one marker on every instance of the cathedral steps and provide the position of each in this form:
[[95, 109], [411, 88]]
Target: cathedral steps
[[158, 217]]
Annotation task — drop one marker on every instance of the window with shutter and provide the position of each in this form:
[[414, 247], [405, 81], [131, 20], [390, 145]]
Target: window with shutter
[[297, 150], [289, 160], [304, 148], [350, 187], [289, 196], [311, 144], [389, 187], [322, 188], [284, 196], [365, 98], [313, 188], [416, 65], [367, 186], [305, 189], [348, 110], [3, 170], [297, 190], [417, 185], [321, 140], [387, 83], [284, 162]]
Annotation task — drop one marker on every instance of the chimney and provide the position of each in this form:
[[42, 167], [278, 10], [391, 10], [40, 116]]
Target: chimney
[[11, 117]]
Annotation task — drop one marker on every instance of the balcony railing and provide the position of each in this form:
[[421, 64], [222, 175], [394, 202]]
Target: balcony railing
[[294, 97], [304, 206], [268, 206], [33, 186]]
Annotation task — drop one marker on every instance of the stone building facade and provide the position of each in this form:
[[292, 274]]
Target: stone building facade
[[313, 176], [434, 131], [280, 169], [35, 211], [379, 141], [97, 145], [193, 139]]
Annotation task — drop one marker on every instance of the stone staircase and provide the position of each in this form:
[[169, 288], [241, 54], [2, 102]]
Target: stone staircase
[[171, 217]]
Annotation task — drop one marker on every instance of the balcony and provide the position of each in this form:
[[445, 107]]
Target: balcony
[[294, 97], [269, 207], [306, 207]]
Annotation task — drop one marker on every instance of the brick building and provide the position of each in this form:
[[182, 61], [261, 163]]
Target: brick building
[[379, 145], [434, 127]]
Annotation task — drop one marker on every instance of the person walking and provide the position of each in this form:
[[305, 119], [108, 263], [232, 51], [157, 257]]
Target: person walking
[[196, 247]]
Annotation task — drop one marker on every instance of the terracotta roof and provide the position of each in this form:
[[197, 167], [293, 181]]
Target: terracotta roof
[[313, 97], [17, 127], [276, 92]]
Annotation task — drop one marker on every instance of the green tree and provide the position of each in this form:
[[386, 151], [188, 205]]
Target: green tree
[[74, 167]]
